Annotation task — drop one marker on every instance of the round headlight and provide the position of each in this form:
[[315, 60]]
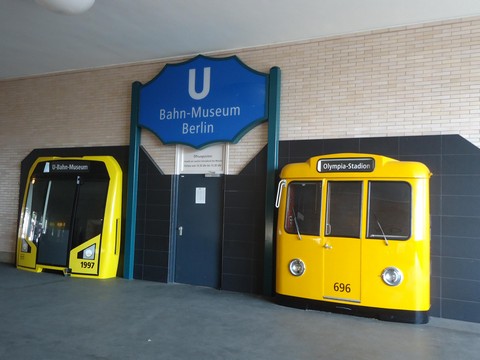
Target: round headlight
[[392, 276], [24, 245], [296, 267], [89, 253]]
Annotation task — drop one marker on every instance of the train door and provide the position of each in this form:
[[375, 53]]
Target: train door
[[342, 241], [199, 230]]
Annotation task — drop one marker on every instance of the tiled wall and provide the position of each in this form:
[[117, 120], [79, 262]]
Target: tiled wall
[[244, 228], [414, 80], [153, 221]]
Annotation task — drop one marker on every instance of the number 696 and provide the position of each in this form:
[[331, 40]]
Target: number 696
[[341, 287]]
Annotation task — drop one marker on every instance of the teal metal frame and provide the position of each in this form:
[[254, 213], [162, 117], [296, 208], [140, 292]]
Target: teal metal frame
[[132, 186], [272, 167]]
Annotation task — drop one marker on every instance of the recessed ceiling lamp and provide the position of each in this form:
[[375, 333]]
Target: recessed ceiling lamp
[[69, 7]]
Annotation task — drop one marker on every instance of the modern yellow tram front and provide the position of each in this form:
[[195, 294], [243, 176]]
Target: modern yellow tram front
[[71, 217], [353, 236]]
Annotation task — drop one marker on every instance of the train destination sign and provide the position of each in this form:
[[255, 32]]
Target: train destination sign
[[346, 165], [203, 100], [66, 166]]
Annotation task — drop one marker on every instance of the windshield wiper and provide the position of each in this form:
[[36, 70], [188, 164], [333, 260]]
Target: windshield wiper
[[381, 229], [296, 224]]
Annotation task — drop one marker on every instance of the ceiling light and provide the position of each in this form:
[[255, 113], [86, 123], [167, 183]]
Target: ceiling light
[[69, 7]]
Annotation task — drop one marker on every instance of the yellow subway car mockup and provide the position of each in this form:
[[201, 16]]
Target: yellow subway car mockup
[[353, 236], [71, 217]]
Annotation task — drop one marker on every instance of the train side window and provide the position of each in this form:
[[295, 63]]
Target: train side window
[[303, 208], [34, 224], [389, 210], [344, 200]]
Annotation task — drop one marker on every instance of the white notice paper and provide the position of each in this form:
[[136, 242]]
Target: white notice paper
[[200, 195]]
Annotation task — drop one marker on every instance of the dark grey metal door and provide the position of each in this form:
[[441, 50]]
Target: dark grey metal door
[[199, 230]]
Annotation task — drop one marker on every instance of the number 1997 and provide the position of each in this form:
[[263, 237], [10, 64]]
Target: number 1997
[[87, 265]]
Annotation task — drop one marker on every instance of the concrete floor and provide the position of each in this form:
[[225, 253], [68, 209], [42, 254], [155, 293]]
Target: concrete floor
[[48, 316]]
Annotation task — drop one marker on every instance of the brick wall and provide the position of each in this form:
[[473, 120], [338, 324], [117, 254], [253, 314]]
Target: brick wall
[[417, 80]]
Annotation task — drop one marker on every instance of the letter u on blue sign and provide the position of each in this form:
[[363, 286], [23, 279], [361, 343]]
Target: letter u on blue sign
[[191, 84]]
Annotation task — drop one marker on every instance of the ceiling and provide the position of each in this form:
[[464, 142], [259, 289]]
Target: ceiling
[[36, 41]]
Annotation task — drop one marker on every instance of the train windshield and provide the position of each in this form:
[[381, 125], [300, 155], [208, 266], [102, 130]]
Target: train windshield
[[48, 221], [303, 208], [389, 210]]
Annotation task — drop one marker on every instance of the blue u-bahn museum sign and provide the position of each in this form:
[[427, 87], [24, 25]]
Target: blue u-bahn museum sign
[[203, 100], [198, 102]]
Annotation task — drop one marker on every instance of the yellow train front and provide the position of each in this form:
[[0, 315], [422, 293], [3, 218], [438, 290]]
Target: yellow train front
[[71, 217], [353, 236]]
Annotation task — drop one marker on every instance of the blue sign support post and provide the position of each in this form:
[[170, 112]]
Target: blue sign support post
[[132, 186], [272, 167]]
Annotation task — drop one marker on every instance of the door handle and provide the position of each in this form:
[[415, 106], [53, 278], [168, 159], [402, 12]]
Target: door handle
[[328, 247], [180, 230]]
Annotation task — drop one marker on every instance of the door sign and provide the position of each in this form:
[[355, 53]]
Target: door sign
[[200, 195], [204, 100]]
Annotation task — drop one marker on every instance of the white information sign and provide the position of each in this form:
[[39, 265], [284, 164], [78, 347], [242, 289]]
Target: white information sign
[[210, 160], [200, 195]]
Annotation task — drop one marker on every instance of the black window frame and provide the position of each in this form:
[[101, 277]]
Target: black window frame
[[383, 231], [295, 220]]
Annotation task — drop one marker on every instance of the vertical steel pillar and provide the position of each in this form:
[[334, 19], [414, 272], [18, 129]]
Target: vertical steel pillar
[[132, 186], [272, 167]]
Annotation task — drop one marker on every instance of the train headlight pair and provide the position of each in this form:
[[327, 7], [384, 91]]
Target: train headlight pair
[[392, 276], [296, 267]]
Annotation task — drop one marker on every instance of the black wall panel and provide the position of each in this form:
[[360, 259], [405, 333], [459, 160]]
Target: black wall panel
[[244, 234], [153, 221]]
